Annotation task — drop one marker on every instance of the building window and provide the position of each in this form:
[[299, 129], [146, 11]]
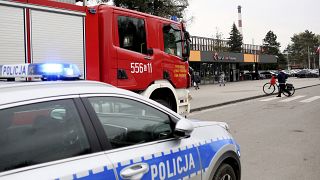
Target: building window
[[132, 34]]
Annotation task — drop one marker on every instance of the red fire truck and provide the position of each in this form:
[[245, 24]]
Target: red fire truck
[[125, 48]]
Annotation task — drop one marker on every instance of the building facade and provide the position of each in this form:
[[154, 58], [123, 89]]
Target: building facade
[[210, 57]]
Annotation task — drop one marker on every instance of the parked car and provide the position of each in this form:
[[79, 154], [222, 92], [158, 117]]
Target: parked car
[[91, 130], [315, 71], [267, 74], [254, 76], [306, 73]]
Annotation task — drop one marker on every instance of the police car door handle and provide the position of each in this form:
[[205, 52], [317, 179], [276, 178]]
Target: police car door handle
[[135, 171]]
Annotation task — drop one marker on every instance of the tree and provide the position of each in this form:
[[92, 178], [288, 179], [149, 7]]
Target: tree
[[272, 47], [270, 44], [219, 44], [235, 39], [302, 48], [282, 61], [163, 8]]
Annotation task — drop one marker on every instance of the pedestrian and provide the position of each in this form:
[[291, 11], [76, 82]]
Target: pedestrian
[[221, 79], [191, 72], [197, 81], [282, 78]]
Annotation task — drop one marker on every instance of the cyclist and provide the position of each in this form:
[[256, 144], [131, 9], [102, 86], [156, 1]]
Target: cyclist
[[282, 77]]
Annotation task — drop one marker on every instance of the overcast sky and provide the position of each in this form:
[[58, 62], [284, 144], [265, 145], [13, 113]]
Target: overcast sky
[[284, 17]]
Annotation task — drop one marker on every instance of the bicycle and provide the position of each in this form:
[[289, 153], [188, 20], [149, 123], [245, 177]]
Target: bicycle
[[269, 88]]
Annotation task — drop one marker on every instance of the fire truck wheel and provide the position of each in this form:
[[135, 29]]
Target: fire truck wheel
[[163, 102]]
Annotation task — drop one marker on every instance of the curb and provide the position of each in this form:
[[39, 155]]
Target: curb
[[238, 100]]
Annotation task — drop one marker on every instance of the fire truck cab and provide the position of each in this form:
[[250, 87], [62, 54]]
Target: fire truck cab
[[128, 49]]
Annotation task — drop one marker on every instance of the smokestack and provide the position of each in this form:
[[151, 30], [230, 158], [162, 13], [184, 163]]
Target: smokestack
[[240, 20]]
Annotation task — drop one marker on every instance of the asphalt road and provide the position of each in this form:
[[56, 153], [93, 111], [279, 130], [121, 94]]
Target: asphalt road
[[279, 137]]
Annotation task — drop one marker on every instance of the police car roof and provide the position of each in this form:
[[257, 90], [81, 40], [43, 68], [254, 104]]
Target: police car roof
[[11, 92]]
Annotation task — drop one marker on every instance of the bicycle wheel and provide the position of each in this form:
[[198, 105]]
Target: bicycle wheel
[[291, 90], [269, 88]]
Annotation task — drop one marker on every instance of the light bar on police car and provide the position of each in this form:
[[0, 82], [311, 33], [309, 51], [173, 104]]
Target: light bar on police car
[[45, 71]]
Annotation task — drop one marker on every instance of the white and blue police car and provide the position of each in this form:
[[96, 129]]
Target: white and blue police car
[[90, 130]]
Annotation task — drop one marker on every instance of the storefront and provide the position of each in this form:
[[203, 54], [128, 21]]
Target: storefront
[[209, 65]]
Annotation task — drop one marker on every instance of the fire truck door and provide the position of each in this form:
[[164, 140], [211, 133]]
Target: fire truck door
[[173, 66], [134, 65]]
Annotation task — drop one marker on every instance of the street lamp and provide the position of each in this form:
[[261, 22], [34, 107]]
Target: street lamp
[[308, 57], [288, 63], [255, 59], [318, 51]]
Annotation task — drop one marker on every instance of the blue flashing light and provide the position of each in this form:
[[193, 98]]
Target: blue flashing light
[[45, 71], [174, 18], [52, 68], [69, 72], [58, 71]]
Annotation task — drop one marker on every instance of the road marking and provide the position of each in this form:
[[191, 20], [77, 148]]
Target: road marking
[[291, 98], [269, 99], [310, 99]]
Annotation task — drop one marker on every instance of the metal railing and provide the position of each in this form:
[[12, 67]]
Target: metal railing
[[219, 45]]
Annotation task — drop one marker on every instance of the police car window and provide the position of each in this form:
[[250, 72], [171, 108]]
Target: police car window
[[128, 122], [132, 34], [172, 40], [39, 133]]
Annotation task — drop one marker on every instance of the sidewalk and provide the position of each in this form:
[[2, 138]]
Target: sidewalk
[[212, 95]]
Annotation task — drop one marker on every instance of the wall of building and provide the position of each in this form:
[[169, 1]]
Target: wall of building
[[210, 64], [230, 57]]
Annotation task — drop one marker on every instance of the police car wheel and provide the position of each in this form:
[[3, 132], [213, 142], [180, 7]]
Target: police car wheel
[[224, 172]]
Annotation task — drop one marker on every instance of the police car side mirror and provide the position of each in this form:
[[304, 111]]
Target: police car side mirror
[[183, 129]]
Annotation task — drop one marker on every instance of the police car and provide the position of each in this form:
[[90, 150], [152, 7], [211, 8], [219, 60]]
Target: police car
[[91, 130]]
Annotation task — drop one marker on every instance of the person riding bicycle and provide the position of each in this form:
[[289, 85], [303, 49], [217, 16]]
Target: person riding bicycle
[[282, 78]]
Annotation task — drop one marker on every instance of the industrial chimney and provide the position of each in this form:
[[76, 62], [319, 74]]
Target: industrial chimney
[[240, 20]]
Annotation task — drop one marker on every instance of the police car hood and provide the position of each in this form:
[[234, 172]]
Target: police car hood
[[198, 123]]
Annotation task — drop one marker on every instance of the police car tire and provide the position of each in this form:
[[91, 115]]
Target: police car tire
[[223, 172]]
